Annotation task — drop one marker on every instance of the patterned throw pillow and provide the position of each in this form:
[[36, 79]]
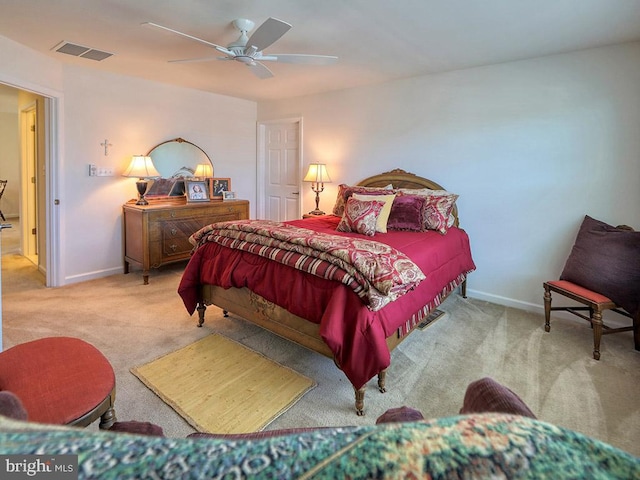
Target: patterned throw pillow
[[381, 225], [345, 191], [360, 216], [439, 206], [437, 211]]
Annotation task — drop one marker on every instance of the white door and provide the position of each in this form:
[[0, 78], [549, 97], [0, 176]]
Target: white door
[[29, 190], [279, 170]]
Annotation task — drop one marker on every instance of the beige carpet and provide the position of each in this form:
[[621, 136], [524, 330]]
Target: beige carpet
[[554, 373], [219, 386]]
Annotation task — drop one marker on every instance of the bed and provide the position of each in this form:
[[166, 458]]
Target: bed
[[326, 315]]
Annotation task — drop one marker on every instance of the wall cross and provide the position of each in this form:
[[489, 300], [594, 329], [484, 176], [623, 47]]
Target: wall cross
[[106, 146]]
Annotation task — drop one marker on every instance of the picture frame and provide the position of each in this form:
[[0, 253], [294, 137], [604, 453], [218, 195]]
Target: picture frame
[[217, 186], [228, 195], [196, 191]]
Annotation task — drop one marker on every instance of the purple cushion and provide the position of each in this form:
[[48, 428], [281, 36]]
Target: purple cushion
[[486, 395], [400, 414], [407, 213], [11, 406], [605, 259], [138, 428]]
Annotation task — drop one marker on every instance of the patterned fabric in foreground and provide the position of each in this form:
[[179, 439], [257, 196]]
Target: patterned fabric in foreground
[[478, 446]]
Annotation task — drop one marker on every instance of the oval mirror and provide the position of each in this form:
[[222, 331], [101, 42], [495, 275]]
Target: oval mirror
[[178, 158]]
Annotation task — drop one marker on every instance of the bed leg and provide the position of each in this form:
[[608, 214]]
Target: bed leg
[[360, 400], [201, 309], [382, 379], [463, 288]]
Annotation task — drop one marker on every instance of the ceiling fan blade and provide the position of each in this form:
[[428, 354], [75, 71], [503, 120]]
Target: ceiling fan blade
[[267, 33], [300, 58], [191, 37], [260, 70], [200, 59]]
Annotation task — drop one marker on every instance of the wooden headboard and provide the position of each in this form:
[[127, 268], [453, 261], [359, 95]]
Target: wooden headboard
[[401, 179]]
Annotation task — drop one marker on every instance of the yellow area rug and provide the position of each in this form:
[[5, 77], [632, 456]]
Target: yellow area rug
[[220, 386]]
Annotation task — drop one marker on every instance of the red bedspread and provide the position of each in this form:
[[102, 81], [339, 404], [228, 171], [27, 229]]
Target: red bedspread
[[355, 334]]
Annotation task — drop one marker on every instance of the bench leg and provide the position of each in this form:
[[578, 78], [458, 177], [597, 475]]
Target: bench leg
[[596, 323], [547, 309]]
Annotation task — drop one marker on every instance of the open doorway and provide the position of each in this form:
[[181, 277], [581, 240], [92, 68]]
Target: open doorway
[[22, 164]]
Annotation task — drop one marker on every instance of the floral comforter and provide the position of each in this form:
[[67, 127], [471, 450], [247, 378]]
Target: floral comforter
[[476, 446], [376, 272]]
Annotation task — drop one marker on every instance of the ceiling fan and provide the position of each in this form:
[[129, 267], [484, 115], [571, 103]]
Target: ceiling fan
[[249, 50]]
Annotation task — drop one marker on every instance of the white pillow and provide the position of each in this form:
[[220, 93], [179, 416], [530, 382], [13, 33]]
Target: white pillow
[[381, 223]]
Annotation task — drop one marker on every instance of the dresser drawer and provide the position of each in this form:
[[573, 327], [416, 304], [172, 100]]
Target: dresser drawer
[[158, 234]]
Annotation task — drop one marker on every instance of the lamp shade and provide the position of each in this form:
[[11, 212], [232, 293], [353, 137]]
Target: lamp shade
[[204, 170], [141, 167], [317, 173]]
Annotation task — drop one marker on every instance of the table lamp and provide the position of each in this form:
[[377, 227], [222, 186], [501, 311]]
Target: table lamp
[[317, 175], [141, 167], [203, 171]]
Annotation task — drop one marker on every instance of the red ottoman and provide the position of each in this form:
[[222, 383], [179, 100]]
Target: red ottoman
[[60, 380]]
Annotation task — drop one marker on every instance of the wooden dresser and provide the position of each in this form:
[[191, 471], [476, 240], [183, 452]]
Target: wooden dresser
[[158, 233]]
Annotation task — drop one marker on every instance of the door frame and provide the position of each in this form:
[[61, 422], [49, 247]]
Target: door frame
[[53, 107], [262, 157]]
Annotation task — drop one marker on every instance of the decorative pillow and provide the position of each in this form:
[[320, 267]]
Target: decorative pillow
[[407, 213], [438, 210], [360, 216], [605, 259], [440, 204], [345, 191], [381, 225], [486, 395]]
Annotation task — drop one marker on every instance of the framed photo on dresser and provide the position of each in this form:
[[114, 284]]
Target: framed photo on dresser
[[217, 186], [197, 191]]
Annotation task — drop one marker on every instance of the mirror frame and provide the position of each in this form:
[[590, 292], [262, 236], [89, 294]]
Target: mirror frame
[[178, 179], [179, 140]]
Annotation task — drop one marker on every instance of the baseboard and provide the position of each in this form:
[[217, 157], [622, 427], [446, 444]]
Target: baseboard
[[92, 275], [505, 301]]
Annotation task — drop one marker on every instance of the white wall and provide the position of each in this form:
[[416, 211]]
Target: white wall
[[530, 147], [134, 115]]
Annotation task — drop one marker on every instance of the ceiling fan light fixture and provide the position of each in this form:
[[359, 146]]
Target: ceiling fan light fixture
[[265, 35]]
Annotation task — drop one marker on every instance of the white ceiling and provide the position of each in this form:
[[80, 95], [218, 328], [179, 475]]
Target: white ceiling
[[375, 40]]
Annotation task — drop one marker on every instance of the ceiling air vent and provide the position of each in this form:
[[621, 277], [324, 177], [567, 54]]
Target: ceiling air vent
[[80, 51]]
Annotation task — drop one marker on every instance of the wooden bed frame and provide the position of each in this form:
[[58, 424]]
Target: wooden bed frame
[[254, 308]]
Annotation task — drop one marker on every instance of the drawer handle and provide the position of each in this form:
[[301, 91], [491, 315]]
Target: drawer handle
[[173, 247], [172, 214], [174, 231]]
